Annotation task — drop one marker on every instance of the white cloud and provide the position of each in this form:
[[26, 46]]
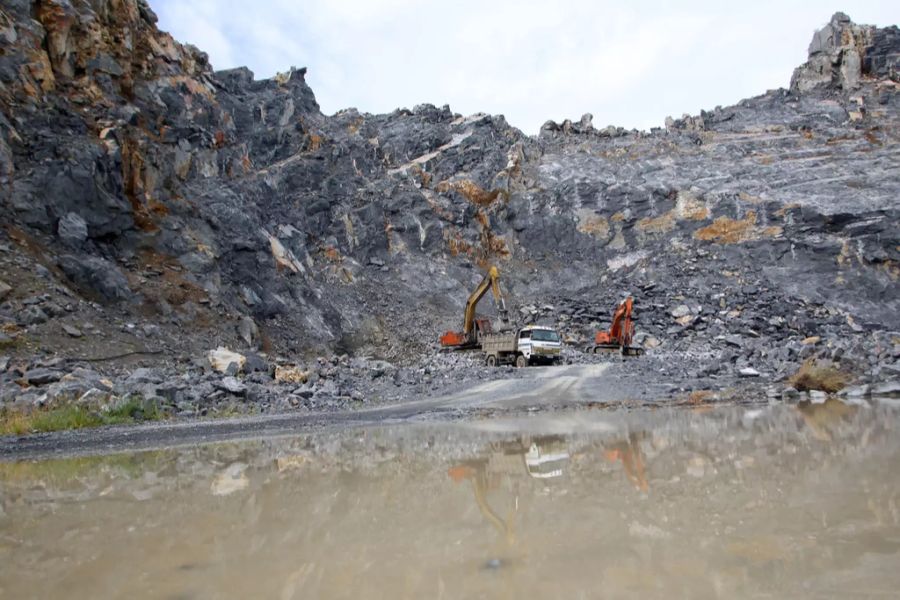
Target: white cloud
[[629, 64]]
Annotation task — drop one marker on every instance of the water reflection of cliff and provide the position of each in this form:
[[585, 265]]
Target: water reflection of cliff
[[785, 501]]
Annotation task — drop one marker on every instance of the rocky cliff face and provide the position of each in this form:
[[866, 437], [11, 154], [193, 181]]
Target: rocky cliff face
[[144, 194]]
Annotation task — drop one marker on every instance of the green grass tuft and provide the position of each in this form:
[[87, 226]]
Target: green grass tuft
[[133, 410]]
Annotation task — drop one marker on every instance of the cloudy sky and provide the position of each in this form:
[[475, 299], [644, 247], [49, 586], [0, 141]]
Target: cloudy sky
[[627, 63]]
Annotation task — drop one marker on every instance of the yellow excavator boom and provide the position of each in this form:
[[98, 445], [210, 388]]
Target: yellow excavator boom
[[491, 282]]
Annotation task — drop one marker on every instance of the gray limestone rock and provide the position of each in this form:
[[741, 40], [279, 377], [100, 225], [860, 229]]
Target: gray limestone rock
[[42, 376], [232, 385], [33, 315], [96, 276], [72, 331], [248, 331], [72, 230]]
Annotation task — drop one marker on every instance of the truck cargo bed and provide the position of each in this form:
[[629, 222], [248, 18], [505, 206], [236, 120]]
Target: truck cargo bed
[[499, 343]]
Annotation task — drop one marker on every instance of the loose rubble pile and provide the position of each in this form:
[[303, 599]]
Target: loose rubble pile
[[155, 210]]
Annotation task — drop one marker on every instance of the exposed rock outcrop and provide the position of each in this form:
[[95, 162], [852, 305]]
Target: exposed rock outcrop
[[842, 53], [135, 176]]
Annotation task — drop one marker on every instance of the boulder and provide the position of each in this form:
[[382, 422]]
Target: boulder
[[221, 358], [248, 331], [42, 376], [33, 315], [96, 276], [72, 230], [232, 385], [290, 374]]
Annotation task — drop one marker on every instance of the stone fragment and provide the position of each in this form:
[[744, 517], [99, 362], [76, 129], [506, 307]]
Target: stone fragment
[[682, 310], [748, 372], [72, 230], [5, 290], [42, 376], [818, 396], [734, 340], [304, 392], [33, 315], [222, 357], [248, 331], [255, 364], [889, 388], [72, 331], [95, 399], [856, 391], [290, 374], [232, 385], [790, 393], [145, 375]]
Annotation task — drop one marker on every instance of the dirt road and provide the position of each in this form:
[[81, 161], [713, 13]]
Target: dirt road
[[534, 389]]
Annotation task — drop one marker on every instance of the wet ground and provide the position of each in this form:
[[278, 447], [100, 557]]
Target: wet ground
[[710, 502], [514, 391]]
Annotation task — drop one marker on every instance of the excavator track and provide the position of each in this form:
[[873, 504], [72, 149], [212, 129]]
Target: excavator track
[[624, 350]]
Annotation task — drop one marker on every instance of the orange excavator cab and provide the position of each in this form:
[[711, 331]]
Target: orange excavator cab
[[621, 332]]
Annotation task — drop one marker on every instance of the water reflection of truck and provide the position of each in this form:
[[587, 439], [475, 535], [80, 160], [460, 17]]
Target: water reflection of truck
[[544, 458], [529, 345]]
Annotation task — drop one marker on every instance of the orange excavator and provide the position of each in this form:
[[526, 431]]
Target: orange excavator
[[474, 328], [620, 333]]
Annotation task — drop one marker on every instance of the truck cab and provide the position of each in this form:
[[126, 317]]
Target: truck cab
[[539, 344]]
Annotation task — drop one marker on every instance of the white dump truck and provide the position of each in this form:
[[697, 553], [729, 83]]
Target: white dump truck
[[532, 344]]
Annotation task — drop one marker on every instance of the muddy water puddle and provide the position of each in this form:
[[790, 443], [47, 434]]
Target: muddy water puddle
[[779, 501]]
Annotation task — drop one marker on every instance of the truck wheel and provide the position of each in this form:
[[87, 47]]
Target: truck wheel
[[491, 360], [521, 361]]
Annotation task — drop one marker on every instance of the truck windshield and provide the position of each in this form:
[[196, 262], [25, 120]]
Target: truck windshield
[[544, 335]]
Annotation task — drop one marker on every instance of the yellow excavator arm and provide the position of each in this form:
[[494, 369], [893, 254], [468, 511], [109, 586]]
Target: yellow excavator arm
[[466, 337], [491, 281]]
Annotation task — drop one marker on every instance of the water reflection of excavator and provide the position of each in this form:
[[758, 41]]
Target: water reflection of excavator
[[540, 458], [473, 327], [632, 459]]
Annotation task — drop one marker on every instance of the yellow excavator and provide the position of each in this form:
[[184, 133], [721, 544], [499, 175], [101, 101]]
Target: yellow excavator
[[474, 328]]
